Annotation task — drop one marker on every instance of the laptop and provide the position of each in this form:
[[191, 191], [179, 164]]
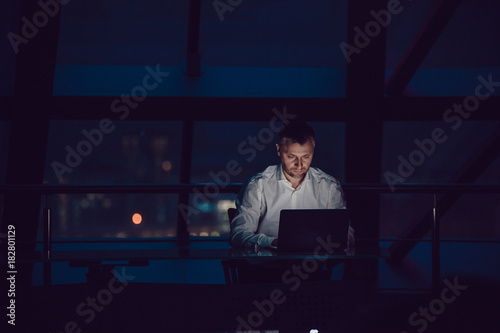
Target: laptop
[[299, 230]]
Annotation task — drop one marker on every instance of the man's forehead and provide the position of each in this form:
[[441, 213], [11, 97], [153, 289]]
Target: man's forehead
[[296, 148]]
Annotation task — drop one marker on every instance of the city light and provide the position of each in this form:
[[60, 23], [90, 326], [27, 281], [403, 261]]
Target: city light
[[137, 218], [166, 165]]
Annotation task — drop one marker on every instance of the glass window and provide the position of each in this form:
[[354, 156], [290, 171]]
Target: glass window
[[398, 212], [122, 33], [464, 50], [112, 215], [231, 152], [294, 33], [413, 154], [113, 151], [473, 216], [329, 153], [432, 152], [252, 145], [208, 215], [134, 152], [104, 48], [298, 43]]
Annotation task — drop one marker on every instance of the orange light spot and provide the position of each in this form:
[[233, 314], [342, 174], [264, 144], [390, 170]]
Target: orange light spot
[[137, 218], [166, 165]]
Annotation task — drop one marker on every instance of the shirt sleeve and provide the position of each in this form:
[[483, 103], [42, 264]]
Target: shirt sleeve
[[336, 196], [246, 222], [337, 201]]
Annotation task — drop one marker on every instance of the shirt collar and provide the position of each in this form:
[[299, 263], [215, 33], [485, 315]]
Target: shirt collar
[[281, 176]]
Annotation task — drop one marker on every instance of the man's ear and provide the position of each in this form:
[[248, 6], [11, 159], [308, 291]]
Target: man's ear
[[278, 149]]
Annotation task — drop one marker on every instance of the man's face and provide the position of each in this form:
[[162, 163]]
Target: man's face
[[295, 158]]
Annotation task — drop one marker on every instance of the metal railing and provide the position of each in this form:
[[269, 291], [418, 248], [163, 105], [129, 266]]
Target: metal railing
[[434, 189]]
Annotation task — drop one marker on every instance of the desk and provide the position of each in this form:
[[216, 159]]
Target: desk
[[301, 304], [100, 262], [186, 253], [269, 261]]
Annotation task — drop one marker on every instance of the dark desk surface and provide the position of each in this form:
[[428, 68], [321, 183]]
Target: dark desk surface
[[204, 254]]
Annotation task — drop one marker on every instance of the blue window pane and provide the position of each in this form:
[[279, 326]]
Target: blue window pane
[[286, 33], [103, 48], [329, 153], [132, 152], [117, 33], [271, 48], [231, 152], [208, 215], [112, 215], [398, 212], [473, 216], [215, 144], [464, 50], [252, 145], [411, 153]]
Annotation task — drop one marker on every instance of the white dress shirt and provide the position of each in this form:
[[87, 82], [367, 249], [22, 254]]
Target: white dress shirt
[[261, 200]]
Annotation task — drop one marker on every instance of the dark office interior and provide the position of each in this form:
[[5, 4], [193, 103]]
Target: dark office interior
[[127, 129]]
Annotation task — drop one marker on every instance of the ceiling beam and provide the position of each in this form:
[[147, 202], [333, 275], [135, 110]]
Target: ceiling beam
[[241, 109], [193, 61]]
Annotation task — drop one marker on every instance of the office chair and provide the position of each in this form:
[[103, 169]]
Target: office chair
[[230, 266]]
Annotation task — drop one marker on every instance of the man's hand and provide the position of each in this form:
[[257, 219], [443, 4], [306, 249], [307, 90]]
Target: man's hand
[[275, 242]]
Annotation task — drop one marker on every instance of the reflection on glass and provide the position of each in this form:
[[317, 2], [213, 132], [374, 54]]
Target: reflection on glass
[[113, 215], [134, 152], [209, 216]]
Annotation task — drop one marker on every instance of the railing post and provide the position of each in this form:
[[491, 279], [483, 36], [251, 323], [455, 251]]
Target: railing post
[[185, 178], [47, 245], [436, 255]]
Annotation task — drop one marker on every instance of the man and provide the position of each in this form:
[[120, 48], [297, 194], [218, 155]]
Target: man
[[293, 184]]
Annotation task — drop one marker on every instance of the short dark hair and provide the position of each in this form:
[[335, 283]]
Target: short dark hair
[[296, 131]]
